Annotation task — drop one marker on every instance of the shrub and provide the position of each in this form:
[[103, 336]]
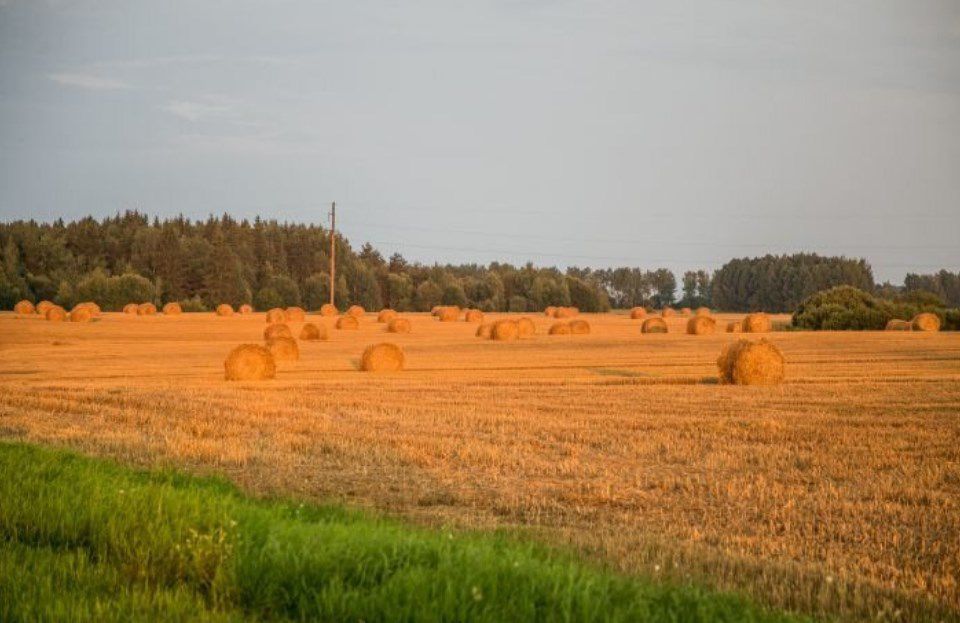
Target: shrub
[[842, 308]]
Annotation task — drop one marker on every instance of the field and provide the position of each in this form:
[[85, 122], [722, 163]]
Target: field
[[834, 494]]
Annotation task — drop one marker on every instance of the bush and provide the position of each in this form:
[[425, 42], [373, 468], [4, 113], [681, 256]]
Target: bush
[[846, 308], [195, 304]]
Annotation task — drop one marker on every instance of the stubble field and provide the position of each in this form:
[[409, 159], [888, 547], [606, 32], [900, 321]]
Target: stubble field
[[836, 493]]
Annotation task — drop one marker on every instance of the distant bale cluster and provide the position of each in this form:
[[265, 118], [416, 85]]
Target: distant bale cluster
[[383, 357], [751, 363]]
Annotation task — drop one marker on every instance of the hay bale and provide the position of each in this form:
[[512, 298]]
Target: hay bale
[[654, 325], [386, 315], [398, 325], [505, 330], [383, 357], [294, 314], [757, 322], [751, 363], [249, 362], [685, 311], [146, 309], [485, 330], [559, 328], [246, 309], [735, 326], [283, 348], [566, 312], [356, 311], [224, 310], [276, 315], [24, 308], [701, 325], [637, 313], [926, 322], [434, 310], [328, 310], [525, 327], [550, 311], [131, 308], [43, 306], [579, 327], [56, 314], [347, 322], [172, 309], [473, 315], [702, 311], [449, 313], [81, 314], [667, 312], [899, 325], [90, 306], [276, 330], [312, 332]]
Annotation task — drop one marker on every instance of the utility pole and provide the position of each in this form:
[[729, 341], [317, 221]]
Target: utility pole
[[333, 251]]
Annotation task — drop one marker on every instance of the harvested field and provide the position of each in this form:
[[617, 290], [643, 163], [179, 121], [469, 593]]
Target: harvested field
[[836, 492]]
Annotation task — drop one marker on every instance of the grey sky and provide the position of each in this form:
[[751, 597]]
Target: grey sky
[[675, 134]]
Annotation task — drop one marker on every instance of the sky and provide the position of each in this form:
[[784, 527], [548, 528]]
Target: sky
[[677, 134]]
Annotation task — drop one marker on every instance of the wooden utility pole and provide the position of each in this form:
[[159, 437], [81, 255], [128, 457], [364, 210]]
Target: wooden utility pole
[[333, 251]]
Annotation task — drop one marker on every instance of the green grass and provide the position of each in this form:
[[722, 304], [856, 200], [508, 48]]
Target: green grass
[[88, 540]]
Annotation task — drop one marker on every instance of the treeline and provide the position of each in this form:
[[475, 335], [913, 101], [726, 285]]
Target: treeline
[[129, 257]]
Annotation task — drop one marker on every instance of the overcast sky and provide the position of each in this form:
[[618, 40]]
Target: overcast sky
[[672, 133]]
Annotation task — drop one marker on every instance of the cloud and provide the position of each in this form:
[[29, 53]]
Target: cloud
[[194, 111], [88, 81]]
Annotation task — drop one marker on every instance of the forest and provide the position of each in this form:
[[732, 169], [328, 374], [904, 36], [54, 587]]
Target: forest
[[131, 257]]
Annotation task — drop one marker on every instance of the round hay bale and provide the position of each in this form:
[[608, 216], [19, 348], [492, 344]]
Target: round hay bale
[[249, 362], [434, 310], [386, 315], [56, 314], [398, 325], [356, 311], [550, 311], [637, 313], [701, 325], [276, 315], [579, 327], [559, 328], [926, 322], [383, 357], [172, 309], [450, 313], [757, 322], [131, 308], [80, 314], [328, 310], [276, 330], [294, 314], [735, 326], [566, 312], [348, 323], [246, 309], [224, 310], [283, 348], [899, 325], [146, 309], [473, 315], [90, 306], [505, 330], [43, 306], [702, 311], [312, 332], [751, 363], [654, 325], [485, 330], [525, 327], [667, 312], [685, 311], [24, 308]]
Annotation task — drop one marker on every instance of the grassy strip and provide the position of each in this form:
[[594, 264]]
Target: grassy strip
[[84, 539]]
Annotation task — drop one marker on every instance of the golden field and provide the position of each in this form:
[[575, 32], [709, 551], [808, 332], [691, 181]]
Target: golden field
[[835, 493]]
